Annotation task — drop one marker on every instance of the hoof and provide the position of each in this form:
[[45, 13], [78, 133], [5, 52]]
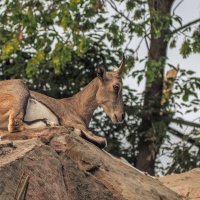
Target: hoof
[[102, 144], [16, 126]]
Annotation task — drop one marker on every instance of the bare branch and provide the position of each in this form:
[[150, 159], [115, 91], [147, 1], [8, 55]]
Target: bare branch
[[182, 136], [113, 5], [181, 121], [185, 26], [146, 42], [139, 45]]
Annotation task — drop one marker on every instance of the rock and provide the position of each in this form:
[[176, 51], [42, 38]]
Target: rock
[[66, 167], [187, 184], [6, 147]]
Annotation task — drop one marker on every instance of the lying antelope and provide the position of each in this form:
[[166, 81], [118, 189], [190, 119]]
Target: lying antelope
[[22, 109]]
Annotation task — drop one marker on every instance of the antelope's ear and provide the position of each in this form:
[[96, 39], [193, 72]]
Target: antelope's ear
[[101, 73], [121, 66]]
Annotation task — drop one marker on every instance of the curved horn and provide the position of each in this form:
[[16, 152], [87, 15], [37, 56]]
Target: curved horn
[[121, 66]]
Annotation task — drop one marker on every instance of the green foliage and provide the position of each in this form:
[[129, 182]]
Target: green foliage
[[9, 48], [185, 157], [130, 5], [154, 70], [160, 22], [34, 63], [191, 43], [53, 42], [172, 43], [186, 48], [196, 41]]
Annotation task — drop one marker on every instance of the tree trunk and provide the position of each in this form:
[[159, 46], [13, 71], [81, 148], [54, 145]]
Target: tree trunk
[[151, 137]]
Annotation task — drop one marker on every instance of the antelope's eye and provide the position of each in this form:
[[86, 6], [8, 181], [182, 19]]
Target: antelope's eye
[[116, 88]]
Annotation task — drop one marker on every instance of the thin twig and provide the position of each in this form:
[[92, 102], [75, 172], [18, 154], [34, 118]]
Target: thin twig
[[127, 45], [181, 136], [178, 4], [20, 180], [113, 5], [146, 33], [23, 192], [146, 42], [139, 45]]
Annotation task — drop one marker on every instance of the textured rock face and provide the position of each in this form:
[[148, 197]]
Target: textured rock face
[[66, 167], [187, 184]]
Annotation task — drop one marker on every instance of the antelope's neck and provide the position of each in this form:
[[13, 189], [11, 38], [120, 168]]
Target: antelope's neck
[[86, 102]]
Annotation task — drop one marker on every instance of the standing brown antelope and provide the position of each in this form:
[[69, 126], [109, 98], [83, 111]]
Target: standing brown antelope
[[23, 109]]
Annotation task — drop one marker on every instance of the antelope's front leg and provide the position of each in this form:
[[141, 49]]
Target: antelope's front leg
[[91, 137], [99, 141]]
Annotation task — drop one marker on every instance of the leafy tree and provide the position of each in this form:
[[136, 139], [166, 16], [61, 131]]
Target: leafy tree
[[153, 21], [56, 46]]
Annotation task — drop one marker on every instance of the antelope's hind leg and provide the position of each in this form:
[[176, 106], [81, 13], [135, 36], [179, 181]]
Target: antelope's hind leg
[[15, 121], [16, 117], [14, 97]]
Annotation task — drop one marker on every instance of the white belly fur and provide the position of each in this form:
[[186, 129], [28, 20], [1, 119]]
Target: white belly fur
[[36, 110]]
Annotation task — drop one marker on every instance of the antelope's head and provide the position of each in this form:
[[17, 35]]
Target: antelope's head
[[109, 94]]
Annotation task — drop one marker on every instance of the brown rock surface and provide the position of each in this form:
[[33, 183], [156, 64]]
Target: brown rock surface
[[67, 167], [187, 184]]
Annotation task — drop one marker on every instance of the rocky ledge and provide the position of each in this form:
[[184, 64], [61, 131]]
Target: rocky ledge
[[60, 165]]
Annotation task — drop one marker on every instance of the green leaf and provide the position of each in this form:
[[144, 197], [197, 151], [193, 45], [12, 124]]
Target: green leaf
[[34, 63], [190, 72], [172, 44], [186, 48], [130, 5], [9, 48]]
